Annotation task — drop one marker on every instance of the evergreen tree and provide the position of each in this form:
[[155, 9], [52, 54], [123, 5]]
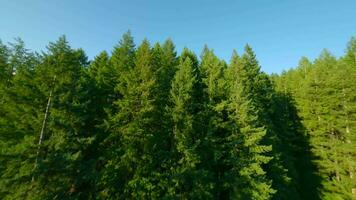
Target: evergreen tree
[[136, 110], [246, 153], [62, 167], [190, 179], [213, 78], [111, 76], [101, 72], [19, 108], [122, 60]]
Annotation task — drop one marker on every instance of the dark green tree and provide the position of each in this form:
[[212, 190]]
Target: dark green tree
[[246, 153], [215, 110], [190, 179]]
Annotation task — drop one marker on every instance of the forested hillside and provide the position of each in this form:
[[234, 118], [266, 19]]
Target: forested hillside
[[143, 122]]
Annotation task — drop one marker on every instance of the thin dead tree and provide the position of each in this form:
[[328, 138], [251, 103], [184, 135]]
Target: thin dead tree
[[43, 126]]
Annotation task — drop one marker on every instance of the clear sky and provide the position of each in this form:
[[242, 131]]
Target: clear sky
[[280, 31]]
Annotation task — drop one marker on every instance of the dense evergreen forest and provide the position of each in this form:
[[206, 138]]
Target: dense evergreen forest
[[142, 122]]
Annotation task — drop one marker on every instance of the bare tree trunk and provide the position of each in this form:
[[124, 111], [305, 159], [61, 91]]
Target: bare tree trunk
[[43, 126]]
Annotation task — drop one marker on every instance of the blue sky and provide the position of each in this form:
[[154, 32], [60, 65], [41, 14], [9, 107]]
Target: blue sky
[[280, 31]]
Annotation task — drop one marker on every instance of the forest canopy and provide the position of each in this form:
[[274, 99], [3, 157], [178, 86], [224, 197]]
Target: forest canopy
[[143, 122]]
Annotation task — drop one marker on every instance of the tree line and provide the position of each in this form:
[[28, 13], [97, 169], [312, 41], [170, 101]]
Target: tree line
[[143, 122]]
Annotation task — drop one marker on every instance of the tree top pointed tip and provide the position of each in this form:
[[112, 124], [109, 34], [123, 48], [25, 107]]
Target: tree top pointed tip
[[248, 47], [128, 32]]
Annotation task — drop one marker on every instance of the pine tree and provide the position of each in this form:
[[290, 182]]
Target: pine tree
[[246, 153], [281, 169], [62, 168], [190, 179], [112, 78], [164, 63], [122, 60], [136, 111], [19, 107], [213, 78], [100, 88]]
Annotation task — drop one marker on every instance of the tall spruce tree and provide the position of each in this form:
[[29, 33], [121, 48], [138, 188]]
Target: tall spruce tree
[[213, 77], [190, 179], [246, 153], [62, 167], [135, 115], [113, 79], [19, 122]]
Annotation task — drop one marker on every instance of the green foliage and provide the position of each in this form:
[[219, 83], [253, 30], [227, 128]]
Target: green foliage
[[191, 181], [247, 154], [325, 96], [144, 123]]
